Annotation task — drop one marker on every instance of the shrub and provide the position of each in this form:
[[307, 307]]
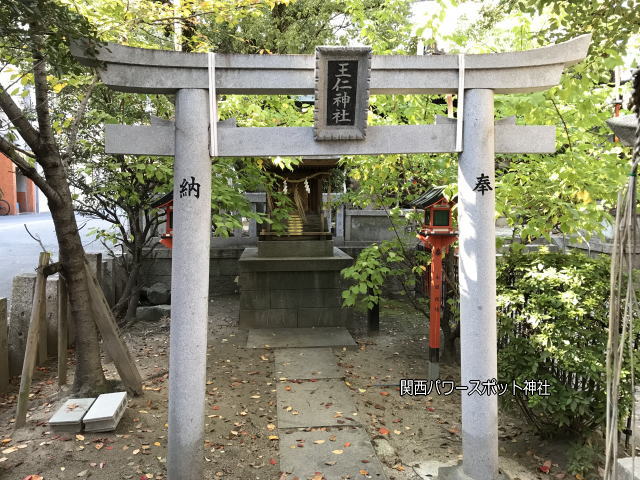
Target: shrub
[[552, 326]]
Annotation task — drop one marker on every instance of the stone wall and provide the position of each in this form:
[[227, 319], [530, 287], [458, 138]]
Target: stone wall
[[223, 269]]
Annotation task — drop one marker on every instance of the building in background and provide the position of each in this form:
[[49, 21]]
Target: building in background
[[18, 190]]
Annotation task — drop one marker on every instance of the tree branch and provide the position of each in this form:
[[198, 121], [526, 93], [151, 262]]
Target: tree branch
[[566, 129], [28, 170], [17, 118], [36, 238], [77, 118], [48, 144]]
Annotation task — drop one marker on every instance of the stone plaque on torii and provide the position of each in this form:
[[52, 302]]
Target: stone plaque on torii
[[190, 76]]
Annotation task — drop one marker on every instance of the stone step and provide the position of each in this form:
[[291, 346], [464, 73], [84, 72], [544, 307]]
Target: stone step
[[305, 454], [306, 363], [322, 403], [299, 337]]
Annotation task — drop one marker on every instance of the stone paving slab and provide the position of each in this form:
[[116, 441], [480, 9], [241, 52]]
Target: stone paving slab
[[625, 470], [305, 461], [299, 337], [323, 403], [306, 363]]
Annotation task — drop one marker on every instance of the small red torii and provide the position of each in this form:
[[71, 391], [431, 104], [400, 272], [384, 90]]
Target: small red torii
[[437, 234]]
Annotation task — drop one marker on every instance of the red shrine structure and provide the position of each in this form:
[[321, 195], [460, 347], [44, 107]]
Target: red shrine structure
[[166, 203], [437, 234]]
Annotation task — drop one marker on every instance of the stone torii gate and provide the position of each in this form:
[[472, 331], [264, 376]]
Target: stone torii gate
[[187, 75]]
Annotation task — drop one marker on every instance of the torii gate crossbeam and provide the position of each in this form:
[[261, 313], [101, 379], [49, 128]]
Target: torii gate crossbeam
[[186, 75]]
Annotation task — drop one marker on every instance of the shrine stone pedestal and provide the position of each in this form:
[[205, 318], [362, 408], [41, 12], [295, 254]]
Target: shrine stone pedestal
[[292, 283]]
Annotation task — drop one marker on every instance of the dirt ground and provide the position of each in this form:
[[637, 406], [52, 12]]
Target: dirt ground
[[241, 411]]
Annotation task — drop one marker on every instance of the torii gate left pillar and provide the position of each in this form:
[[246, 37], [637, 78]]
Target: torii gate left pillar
[[189, 284]]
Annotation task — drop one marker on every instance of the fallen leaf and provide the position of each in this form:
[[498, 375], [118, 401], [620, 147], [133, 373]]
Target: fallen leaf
[[272, 461], [136, 451], [255, 396], [546, 467], [273, 437], [80, 437], [9, 450], [318, 442], [6, 440], [99, 445], [157, 444], [398, 467], [337, 452], [347, 444], [264, 358], [385, 394], [383, 431], [364, 472], [271, 426], [331, 463]]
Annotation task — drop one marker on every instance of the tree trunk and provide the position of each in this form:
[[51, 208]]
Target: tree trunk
[[89, 377]]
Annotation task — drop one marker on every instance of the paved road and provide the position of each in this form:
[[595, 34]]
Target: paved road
[[19, 252]]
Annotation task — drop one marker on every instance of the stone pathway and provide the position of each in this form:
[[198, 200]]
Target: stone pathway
[[318, 425], [299, 337]]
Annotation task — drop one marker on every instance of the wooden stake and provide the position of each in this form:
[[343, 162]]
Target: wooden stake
[[4, 349], [111, 338], [31, 350], [43, 353], [63, 323]]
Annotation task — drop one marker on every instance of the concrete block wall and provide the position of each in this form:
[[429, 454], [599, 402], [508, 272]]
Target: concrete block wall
[[224, 273], [17, 324], [371, 226], [223, 269], [20, 314]]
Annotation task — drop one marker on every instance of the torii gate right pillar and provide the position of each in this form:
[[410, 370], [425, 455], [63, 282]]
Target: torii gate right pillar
[[477, 254]]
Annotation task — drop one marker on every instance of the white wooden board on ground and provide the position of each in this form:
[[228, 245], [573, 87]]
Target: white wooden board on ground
[[68, 418], [106, 412]]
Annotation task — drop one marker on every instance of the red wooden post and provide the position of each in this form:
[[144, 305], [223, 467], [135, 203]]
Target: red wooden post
[[437, 234]]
